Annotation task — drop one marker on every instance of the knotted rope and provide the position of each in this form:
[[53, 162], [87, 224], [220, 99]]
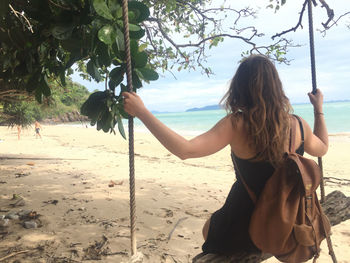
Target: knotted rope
[[131, 131], [313, 77], [314, 87]]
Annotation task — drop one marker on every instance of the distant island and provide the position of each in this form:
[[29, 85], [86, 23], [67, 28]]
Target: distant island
[[210, 107]]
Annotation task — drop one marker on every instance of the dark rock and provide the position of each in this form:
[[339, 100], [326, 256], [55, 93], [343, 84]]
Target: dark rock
[[12, 216], [30, 224], [337, 207], [74, 116], [24, 213]]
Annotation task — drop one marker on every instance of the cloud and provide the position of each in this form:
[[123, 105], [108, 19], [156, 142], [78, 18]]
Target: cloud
[[181, 95]]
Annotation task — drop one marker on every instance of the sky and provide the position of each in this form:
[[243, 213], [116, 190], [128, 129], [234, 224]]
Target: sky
[[192, 89]]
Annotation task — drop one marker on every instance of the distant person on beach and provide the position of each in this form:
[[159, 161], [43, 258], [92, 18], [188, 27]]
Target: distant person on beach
[[19, 129], [37, 129], [257, 128]]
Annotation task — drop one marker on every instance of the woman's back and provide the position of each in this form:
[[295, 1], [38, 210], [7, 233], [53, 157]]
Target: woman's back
[[241, 145]]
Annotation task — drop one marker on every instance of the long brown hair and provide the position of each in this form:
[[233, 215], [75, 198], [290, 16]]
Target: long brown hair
[[256, 93]]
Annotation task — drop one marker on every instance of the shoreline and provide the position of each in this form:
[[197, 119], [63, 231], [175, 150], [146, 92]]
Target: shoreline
[[138, 129]]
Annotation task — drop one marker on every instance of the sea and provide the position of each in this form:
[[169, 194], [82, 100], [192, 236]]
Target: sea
[[337, 116]]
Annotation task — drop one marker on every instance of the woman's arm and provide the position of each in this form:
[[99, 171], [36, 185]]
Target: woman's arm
[[316, 142], [208, 143]]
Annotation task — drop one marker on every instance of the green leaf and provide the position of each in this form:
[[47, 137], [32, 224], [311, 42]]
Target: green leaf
[[133, 27], [117, 72], [94, 106], [44, 86], [134, 47], [107, 34], [116, 77], [140, 59], [120, 126], [38, 95], [140, 10], [131, 15], [102, 9], [33, 82], [137, 34], [136, 82], [148, 74], [63, 78], [143, 46], [115, 8], [103, 54], [93, 70], [107, 121], [62, 32], [120, 39]]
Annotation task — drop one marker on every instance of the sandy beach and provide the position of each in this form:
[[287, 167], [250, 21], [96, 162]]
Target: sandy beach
[[63, 180]]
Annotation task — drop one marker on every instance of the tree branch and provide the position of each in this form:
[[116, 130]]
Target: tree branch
[[330, 13], [335, 22], [60, 6], [297, 25], [22, 15], [166, 36]]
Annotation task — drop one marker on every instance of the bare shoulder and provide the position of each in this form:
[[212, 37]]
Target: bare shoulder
[[233, 122]]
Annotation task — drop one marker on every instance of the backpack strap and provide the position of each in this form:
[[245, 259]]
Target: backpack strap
[[292, 136], [250, 191], [301, 127]]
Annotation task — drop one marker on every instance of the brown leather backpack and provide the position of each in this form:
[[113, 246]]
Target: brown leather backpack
[[288, 221]]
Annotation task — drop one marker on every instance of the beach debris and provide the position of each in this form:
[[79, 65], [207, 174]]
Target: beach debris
[[112, 183], [16, 196], [13, 216], [97, 250], [75, 244], [21, 174], [30, 224], [31, 164], [137, 258], [19, 202], [177, 223], [3, 182], [4, 234], [4, 222], [51, 202], [15, 254], [82, 208], [168, 212]]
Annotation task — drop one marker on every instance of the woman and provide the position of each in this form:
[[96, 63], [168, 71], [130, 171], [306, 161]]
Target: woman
[[257, 128]]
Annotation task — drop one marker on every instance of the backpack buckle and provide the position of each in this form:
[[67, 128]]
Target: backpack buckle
[[308, 201]]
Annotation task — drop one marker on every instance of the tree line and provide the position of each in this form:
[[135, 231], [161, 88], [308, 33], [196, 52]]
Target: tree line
[[26, 110]]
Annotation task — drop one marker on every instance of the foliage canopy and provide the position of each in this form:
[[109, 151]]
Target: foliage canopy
[[42, 40]]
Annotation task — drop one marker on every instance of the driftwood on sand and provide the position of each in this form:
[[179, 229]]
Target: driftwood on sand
[[336, 207]]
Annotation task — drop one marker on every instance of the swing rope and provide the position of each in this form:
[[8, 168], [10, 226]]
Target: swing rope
[[131, 131], [314, 87]]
